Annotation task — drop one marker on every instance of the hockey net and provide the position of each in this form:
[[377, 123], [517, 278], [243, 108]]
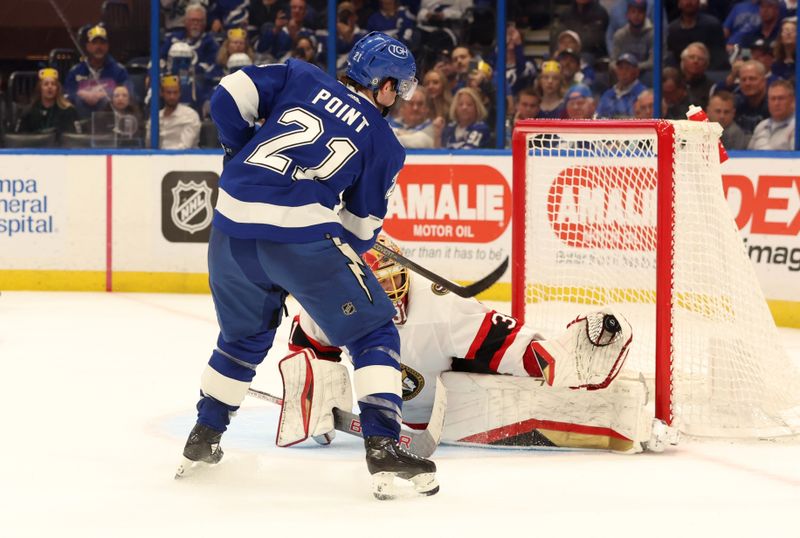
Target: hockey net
[[632, 214]]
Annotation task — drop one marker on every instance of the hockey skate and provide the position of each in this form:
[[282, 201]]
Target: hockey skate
[[201, 447], [387, 460]]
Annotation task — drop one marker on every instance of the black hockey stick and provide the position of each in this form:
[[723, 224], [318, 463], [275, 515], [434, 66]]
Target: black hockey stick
[[422, 443], [462, 291]]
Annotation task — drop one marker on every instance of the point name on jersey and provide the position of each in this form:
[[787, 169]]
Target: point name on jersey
[[340, 110]]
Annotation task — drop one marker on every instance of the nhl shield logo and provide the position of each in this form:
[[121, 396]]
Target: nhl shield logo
[[191, 206]]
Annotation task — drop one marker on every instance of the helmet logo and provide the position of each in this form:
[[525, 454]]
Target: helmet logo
[[398, 51]]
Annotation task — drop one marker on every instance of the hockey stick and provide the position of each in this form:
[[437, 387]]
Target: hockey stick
[[422, 443], [462, 291]]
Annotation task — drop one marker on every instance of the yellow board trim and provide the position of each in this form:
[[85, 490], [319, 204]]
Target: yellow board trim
[[52, 280], [160, 282]]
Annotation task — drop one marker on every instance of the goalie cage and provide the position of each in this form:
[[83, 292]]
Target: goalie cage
[[631, 213]]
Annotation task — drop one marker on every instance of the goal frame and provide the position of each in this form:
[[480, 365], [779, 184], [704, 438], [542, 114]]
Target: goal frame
[[665, 221]]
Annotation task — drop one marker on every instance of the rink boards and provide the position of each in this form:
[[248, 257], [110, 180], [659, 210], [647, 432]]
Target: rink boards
[[139, 221]]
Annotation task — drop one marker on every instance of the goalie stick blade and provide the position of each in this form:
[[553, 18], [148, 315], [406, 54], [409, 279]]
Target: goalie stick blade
[[462, 291]]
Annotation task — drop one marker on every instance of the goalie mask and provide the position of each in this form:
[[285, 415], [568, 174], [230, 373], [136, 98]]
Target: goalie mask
[[392, 276]]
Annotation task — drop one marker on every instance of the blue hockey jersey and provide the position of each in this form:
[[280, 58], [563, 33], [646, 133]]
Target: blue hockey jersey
[[324, 162]]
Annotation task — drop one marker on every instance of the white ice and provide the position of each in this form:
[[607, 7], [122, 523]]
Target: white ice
[[98, 391]]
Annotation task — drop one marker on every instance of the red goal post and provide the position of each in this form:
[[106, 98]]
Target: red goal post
[[631, 213]]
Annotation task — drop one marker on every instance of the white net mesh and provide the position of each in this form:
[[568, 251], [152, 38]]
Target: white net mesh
[[590, 239]]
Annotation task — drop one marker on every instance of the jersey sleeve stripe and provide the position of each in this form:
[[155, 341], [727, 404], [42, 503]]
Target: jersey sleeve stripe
[[362, 227], [272, 214], [244, 93]]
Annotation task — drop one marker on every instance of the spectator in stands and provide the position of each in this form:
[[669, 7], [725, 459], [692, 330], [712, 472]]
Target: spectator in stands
[[49, 110], [526, 106], [694, 62], [784, 50], [742, 19], [636, 37], [174, 12], [305, 49], [193, 34], [761, 51], [178, 124], [90, 83], [520, 71], [574, 68], [777, 131], [617, 101], [694, 26], [347, 32], [769, 28], [643, 106], [300, 23], [467, 129], [195, 88], [413, 128], [274, 42], [235, 43], [618, 17], [228, 14], [751, 96], [127, 117], [550, 86], [436, 14], [439, 94], [395, 20], [580, 103], [588, 19], [722, 109], [461, 57], [675, 94], [264, 11]]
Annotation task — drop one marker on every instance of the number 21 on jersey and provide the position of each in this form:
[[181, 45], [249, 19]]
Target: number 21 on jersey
[[269, 154]]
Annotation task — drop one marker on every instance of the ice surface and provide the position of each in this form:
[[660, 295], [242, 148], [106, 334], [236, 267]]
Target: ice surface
[[98, 394]]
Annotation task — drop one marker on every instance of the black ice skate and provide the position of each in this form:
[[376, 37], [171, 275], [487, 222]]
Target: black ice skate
[[201, 447], [386, 459]]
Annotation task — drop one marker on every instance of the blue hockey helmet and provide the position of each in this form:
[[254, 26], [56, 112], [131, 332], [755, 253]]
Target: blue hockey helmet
[[376, 57]]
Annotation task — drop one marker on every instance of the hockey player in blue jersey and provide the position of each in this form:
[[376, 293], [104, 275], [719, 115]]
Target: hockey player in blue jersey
[[299, 200]]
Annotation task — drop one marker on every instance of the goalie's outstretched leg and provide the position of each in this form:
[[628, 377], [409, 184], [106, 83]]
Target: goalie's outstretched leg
[[387, 460]]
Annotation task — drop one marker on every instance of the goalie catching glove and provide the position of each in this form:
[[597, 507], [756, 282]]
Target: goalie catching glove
[[589, 355], [311, 389]]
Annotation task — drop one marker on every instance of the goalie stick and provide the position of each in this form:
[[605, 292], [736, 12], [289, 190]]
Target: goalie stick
[[422, 443], [462, 291]]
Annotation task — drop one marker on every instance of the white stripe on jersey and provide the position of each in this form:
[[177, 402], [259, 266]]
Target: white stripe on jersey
[[275, 215], [362, 227], [244, 93], [376, 380]]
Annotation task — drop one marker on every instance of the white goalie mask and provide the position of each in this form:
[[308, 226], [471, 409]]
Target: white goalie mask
[[392, 276]]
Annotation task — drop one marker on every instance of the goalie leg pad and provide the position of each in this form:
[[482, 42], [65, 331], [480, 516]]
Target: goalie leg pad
[[522, 412], [590, 354], [311, 389]]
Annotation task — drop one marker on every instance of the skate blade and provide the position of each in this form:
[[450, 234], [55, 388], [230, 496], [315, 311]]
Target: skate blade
[[189, 467], [384, 487], [184, 468], [425, 484]]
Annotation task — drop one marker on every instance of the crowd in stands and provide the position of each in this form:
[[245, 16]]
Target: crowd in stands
[[736, 59]]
